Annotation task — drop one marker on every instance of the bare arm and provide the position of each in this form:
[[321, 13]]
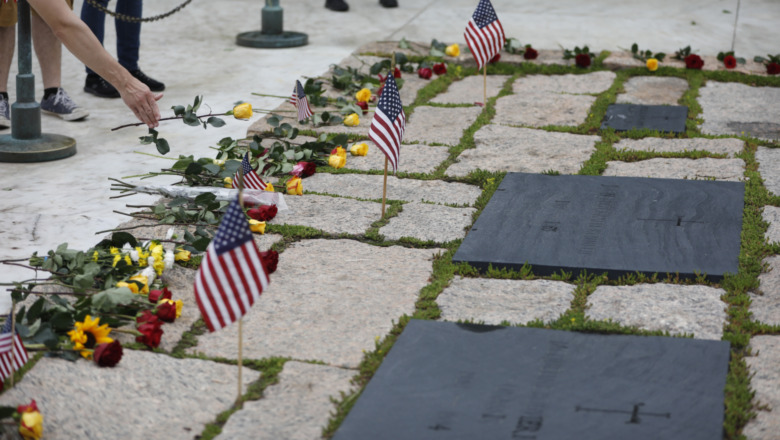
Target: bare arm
[[80, 40]]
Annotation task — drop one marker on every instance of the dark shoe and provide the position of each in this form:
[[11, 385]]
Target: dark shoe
[[153, 84], [337, 5], [60, 104], [99, 87], [5, 114], [389, 3]]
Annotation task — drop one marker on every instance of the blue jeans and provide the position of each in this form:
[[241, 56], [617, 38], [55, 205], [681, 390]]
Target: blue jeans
[[128, 35]]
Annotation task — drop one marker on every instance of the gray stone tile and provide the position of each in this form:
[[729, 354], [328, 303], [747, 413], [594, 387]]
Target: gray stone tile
[[501, 148], [494, 301], [768, 166], [622, 60], [771, 215], [427, 222], [733, 108], [729, 146], [544, 108], [412, 84], [667, 307], [388, 47], [410, 190], [147, 395], [333, 215], [470, 90], [766, 305], [765, 380], [415, 158], [700, 169], [653, 90], [545, 57], [361, 62], [577, 84], [438, 125], [297, 408], [328, 301]]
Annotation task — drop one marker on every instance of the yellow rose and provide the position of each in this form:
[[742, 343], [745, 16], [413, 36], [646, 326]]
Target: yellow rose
[[269, 187], [364, 95], [337, 161], [256, 226], [179, 305], [652, 64], [295, 186], [182, 255], [132, 286], [219, 162], [117, 259], [143, 280], [352, 120], [452, 50], [360, 149], [340, 151], [31, 425], [242, 111], [228, 182]]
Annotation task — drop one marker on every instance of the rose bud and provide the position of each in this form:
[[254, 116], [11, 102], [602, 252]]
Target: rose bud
[[440, 68], [151, 333], [352, 120], [270, 261], [452, 50], [773, 68], [424, 73], [694, 61], [730, 62], [108, 355], [154, 296], [242, 111], [530, 53], [166, 311], [363, 95], [263, 213], [364, 106], [304, 169], [397, 73], [360, 149], [582, 60], [295, 186], [256, 226], [495, 59]]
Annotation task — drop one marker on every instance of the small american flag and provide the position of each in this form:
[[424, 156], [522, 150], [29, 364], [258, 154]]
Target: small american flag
[[231, 276], [484, 33], [387, 127], [251, 179], [300, 102], [13, 355]]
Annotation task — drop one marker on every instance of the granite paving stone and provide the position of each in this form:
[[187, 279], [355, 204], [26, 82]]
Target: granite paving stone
[[701, 169], [765, 305], [765, 381], [502, 148], [332, 215], [771, 215], [734, 108], [768, 164], [411, 190], [728, 146], [362, 63], [439, 125], [544, 57], [415, 158], [328, 301], [412, 84], [297, 408], [470, 90], [653, 90], [579, 84], [494, 301], [673, 308], [427, 222], [541, 109], [147, 395]]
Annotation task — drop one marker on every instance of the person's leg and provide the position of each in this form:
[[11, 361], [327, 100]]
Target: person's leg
[[128, 34], [48, 49], [95, 19]]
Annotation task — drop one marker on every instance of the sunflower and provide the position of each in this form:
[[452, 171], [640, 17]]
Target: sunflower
[[88, 334]]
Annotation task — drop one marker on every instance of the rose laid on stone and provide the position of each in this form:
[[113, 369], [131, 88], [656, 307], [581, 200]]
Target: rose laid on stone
[[295, 186], [652, 64], [530, 53], [263, 213], [337, 160], [304, 169], [108, 355], [363, 95], [424, 73], [352, 120], [166, 311], [156, 295], [242, 111], [182, 255], [256, 226], [360, 149], [228, 181], [364, 106], [694, 61], [773, 68], [30, 421], [397, 73], [582, 60], [440, 68], [496, 58], [269, 187], [270, 260], [150, 328], [730, 61], [144, 282], [452, 50]]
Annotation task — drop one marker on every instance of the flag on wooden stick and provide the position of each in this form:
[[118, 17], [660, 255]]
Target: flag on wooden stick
[[389, 122], [484, 33], [231, 276], [13, 355], [300, 102], [251, 179]]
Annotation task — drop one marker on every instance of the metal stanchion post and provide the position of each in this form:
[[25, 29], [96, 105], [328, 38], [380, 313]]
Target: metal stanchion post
[[271, 34]]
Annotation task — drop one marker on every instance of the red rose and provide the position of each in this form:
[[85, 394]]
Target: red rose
[[303, 169], [263, 213], [440, 68], [146, 316], [166, 312], [363, 105], [108, 355], [773, 68], [694, 61], [424, 73], [270, 261], [27, 408], [530, 53], [151, 332], [495, 59], [582, 60], [156, 295], [397, 73], [730, 62]]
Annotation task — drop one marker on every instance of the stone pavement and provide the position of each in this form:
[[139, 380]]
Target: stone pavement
[[337, 298]]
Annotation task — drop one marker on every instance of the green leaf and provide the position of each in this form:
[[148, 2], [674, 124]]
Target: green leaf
[[107, 300], [205, 199], [193, 168], [201, 244], [46, 336], [178, 110], [660, 56], [759, 59], [191, 120], [436, 52], [162, 146], [35, 310], [6, 411], [118, 239], [287, 167], [341, 139], [741, 60], [400, 58], [196, 105], [379, 66], [215, 121], [403, 44], [634, 48], [72, 356], [61, 321], [273, 121], [212, 168]]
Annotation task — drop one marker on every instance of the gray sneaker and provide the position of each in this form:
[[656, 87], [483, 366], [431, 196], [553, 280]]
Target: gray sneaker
[[61, 105], [5, 113]]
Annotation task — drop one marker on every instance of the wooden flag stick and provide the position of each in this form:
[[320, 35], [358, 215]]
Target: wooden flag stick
[[384, 189], [240, 319], [484, 85]]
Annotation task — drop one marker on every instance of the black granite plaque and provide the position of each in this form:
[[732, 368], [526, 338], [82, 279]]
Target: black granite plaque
[[664, 118], [451, 381], [616, 225]]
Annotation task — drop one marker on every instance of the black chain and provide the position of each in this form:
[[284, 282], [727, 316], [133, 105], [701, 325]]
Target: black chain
[[127, 18]]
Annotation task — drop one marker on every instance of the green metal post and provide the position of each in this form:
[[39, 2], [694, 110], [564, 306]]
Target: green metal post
[[271, 34]]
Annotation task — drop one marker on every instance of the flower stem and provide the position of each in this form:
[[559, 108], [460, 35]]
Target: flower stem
[[127, 331]]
